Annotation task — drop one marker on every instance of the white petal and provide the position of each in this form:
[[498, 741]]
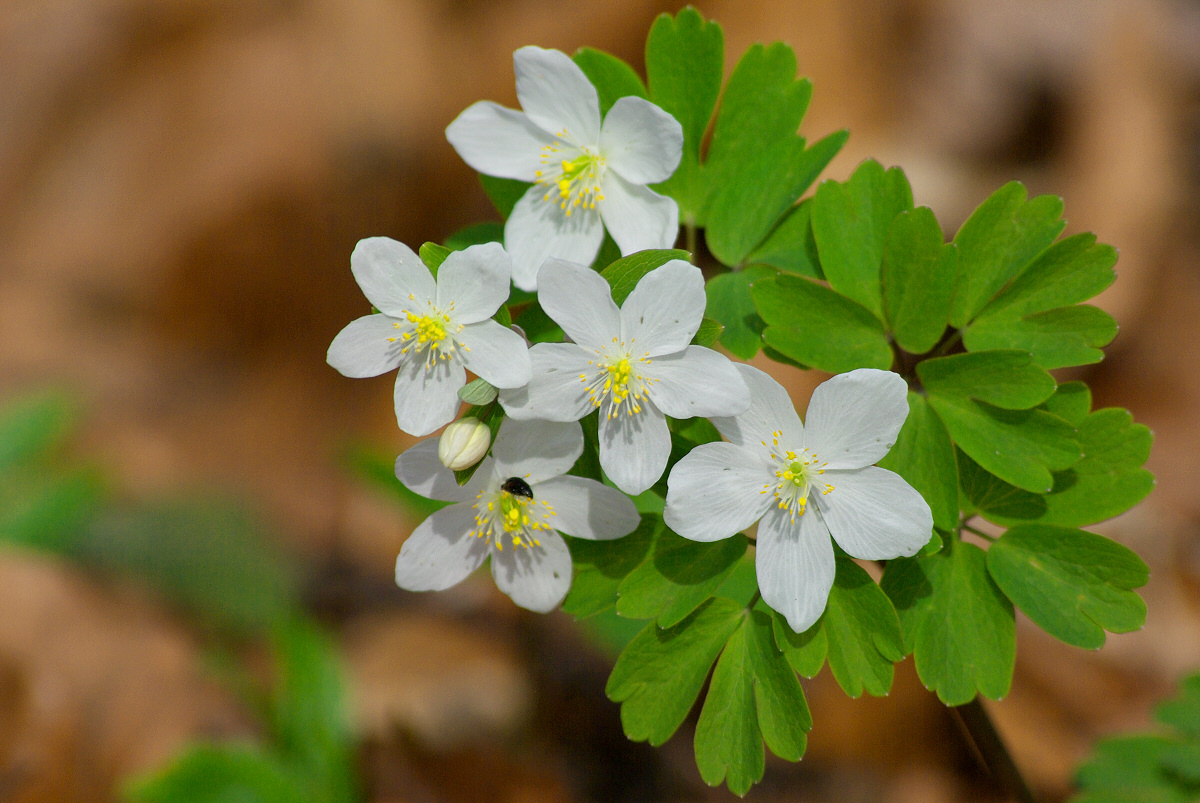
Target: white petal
[[580, 301], [634, 448], [537, 577], [716, 491], [587, 509], [496, 353], [636, 217], [497, 141], [874, 514], [388, 273], [770, 410], [537, 230], [536, 451], [641, 141], [664, 310], [556, 94], [427, 399], [853, 418], [368, 346], [554, 392], [475, 281], [697, 382], [420, 471], [442, 551], [795, 566]]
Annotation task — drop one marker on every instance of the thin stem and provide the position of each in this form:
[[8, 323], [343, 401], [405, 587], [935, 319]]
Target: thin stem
[[978, 532], [947, 344], [689, 235], [753, 600], [990, 750]]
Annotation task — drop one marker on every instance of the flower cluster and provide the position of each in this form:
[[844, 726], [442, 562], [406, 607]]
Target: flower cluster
[[633, 366]]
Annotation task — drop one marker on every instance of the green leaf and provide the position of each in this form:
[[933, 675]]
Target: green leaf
[[802, 318], [679, 575], [998, 242], [433, 255], [32, 424], [851, 221], [659, 675], [1131, 769], [537, 325], [206, 554], [959, 625], [1071, 402], [748, 203], [790, 246], [504, 192], [624, 274], [475, 234], [1106, 481], [1035, 442], [310, 714], [1073, 584], [924, 456], [763, 103], [708, 332], [1070, 271], [685, 61], [1008, 379], [478, 392], [754, 696], [600, 566], [611, 76], [1183, 710], [1058, 338], [859, 632], [219, 774], [729, 302], [918, 280], [49, 511]]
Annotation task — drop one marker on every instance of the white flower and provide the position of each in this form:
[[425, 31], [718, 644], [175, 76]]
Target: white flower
[[803, 483], [430, 330], [511, 509], [634, 363], [464, 443], [586, 176]]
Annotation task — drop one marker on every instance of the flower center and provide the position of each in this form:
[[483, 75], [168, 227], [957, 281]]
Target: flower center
[[617, 379], [796, 474], [511, 512], [429, 334], [572, 182]]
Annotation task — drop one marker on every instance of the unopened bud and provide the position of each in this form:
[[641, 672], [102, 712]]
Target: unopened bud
[[464, 443]]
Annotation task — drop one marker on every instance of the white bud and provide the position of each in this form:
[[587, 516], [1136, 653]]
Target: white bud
[[464, 443]]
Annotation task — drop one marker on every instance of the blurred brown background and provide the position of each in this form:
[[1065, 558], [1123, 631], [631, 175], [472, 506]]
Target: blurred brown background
[[181, 184]]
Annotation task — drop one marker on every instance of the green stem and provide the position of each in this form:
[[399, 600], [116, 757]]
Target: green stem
[[978, 532], [947, 344], [991, 751], [689, 235], [753, 600]]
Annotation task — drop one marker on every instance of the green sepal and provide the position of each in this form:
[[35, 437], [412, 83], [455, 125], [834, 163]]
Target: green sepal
[[859, 632], [957, 623], [791, 246], [754, 697], [801, 315], [504, 192], [600, 566], [624, 274], [1073, 584], [677, 576], [433, 255], [1057, 338], [612, 77], [997, 243], [685, 62], [748, 205], [850, 221], [660, 673], [730, 303], [919, 270], [924, 456]]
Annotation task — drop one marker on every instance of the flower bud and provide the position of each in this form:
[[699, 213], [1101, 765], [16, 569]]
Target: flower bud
[[464, 443]]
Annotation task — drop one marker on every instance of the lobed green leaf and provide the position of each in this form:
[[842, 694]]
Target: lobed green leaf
[[600, 566], [730, 302], [791, 246], [624, 274], [918, 280], [612, 77], [1070, 271], [1008, 379], [1058, 338], [924, 456]]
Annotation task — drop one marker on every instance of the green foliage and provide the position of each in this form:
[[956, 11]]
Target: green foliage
[[708, 332], [32, 425], [379, 471], [613, 78], [475, 234], [1073, 584], [229, 773], [478, 392], [600, 566], [956, 621], [433, 255], [503, 192], [859, 633], [1161, 767], [624, 274], [918, 279], [924, 456], [729, 302], [790, 246]]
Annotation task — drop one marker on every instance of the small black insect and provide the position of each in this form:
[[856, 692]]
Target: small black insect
[[517, 487]]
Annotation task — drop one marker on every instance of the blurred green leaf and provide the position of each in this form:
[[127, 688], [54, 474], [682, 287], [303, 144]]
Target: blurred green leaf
[[49, 510], [380, 471], [503, 192], [32, 424], [220, 774], [433, 255], [612, 77], [918, 280], [475, 234], [1130, 769]]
